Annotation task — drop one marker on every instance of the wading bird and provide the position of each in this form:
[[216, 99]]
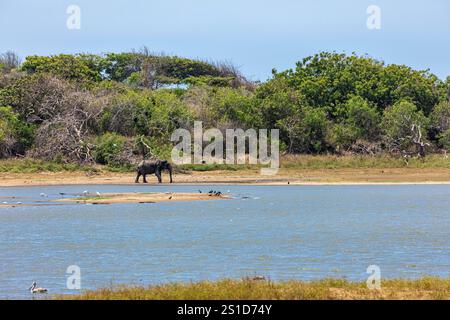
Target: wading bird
[[35, 289]]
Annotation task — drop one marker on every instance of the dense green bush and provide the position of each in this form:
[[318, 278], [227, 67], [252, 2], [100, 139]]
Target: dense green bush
[[81, 68], [108, 148], [150, 113], [15, 135], [440, 121], [444, 139]]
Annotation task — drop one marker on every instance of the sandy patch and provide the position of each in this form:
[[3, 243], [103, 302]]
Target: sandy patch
[[113, 198]]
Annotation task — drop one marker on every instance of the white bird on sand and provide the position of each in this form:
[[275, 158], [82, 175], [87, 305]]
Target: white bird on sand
[[43, 195], [35, 289], [98, 194], [85, 192]]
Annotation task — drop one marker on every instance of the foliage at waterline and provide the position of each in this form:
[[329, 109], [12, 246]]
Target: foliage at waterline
[[116, 108]]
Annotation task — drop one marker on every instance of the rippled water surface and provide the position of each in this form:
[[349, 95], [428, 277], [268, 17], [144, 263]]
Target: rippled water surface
[[283, 232]]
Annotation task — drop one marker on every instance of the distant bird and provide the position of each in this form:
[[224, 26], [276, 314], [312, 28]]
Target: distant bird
[[62, 194], [98, 194], [289, 182], [43, 195], [4, 202], [85, 192], [170, 198], [259, 278], [199, 191], [211, 192], [35, 289]]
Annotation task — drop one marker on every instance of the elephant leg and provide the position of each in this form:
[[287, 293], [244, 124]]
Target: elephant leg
[[158, 174], [145, 178], [138, 176]]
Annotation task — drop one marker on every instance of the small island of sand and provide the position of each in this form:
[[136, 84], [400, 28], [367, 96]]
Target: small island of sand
[[156, 197]]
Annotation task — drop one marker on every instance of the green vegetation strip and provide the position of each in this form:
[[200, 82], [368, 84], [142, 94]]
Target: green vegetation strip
[[328, 289], [289, 162]]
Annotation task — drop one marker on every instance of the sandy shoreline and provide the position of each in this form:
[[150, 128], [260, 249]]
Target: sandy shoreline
[[245, 177]]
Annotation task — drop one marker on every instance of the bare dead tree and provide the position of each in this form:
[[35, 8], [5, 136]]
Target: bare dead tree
[[9, 60], [146, 150], [62, 137], [7, 79], [7, 145], [228, 69], [418, 141], [290, 125], [65, 134], [41, 98], [151, 67], [365, 147]]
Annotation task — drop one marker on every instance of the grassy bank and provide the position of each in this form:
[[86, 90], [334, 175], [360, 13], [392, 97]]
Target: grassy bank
[[357, 162], [329, 289], [290, 162], [28, 165]]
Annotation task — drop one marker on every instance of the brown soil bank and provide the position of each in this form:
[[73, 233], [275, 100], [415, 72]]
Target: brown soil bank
[[114, 198], [284, 176], [248, 289]]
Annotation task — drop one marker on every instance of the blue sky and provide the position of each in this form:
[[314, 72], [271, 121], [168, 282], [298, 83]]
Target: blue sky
[[256, 35]]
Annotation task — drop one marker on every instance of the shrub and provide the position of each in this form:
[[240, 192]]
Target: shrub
[[445, 139], [108, 148], [399, 122], [15, 135], [440, 121], [306, 130]]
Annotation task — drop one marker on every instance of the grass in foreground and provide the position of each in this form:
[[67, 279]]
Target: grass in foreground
[[248, 289]]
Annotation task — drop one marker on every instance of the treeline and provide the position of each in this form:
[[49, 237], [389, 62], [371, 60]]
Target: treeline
[[119, 107]]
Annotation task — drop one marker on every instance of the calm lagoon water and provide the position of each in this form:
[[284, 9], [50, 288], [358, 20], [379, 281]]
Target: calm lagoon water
[[282, 232]]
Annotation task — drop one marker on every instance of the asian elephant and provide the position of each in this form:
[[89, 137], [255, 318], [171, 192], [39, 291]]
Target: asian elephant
[[156, 167]]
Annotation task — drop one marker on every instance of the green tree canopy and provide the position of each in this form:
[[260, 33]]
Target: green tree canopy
[[81, 68], [327, 80]]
